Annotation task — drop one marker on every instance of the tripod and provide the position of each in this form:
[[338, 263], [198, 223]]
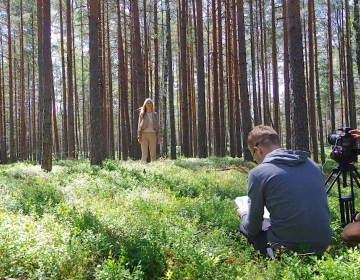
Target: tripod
[[347, 206]]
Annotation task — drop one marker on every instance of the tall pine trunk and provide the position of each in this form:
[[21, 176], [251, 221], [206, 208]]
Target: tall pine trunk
[[201, 112], [244, 96], [171, 82], [47, 138], [70, 80], [298, 106], [185, 145], [97, 144]]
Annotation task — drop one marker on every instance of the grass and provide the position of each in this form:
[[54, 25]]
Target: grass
[[125, 220]]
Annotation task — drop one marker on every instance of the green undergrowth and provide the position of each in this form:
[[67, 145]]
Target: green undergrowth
[[125, 220]]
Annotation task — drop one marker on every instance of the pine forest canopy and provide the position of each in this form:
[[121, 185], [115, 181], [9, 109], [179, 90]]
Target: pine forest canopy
[[73, 74]]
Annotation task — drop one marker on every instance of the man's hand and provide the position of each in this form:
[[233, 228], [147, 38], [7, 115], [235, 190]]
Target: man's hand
[[139, 140], [356, 133], [356, 217], [238, 212]]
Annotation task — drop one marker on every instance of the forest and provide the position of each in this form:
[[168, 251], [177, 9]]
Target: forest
[[74, 73]]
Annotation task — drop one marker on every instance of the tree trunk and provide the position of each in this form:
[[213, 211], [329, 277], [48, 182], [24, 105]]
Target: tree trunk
[[70, 104], [244, 95], [171, 82], [263, 51], [146, 51], [255, 100], [3, 149], [163, 106], [298, 108], [201, 108], [275, 78], [65, 142], [331, 112], [11, 94], [47, 138], [286, 80], [356, 25], [350, 73], [185, 124], [97, 144], [311, 92], [124, 124], [33, 91], [139, 75], [139, 62], [53, 112], [104, 74], [215, 100], [110, 112], [23, 149], [236, 108], [318, 97], [85, 106], [221, 83], [230, 80]]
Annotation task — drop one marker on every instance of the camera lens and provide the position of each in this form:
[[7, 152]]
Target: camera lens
[[332, 138]]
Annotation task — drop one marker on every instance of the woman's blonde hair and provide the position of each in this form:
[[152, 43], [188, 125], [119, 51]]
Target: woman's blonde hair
[[143, 107]]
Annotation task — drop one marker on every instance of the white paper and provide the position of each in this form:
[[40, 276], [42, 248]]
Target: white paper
[[242, 204]]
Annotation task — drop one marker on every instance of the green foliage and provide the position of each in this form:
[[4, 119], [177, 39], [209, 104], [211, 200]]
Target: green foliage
[[113, 270], [126, 220], [208, 163], [26, 189]]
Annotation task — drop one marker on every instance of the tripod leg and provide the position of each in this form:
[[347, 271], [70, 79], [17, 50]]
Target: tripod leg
[[357, 177], [333, 182]]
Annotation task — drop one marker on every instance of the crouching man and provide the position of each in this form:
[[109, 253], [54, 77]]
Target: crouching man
[[291, 186]]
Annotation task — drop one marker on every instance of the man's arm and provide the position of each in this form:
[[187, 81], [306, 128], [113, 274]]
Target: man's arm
[[356, 133], [253, 218]]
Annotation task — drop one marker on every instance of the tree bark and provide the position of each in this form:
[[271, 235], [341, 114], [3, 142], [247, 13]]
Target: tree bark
[[356, 24], [47, 137], [171, 81], [318, 96], [97, 144], [244, 95], [201, 108], [3, 149], [230, 79], [185, 124], [70, 80], [221, 82], [215, 71], [275, 78], [23, 149], [331, 112], [65, 142], [286, 80], [350, 72], [11, 89], [124, 122], [298, 106], [311, 92], [255, 101], [110, 112], [138, 72], [236, 108]]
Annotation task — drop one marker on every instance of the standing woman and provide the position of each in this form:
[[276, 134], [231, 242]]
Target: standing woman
[[148, 130]]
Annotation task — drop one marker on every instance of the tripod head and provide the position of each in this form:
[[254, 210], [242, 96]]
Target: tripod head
[[344, 146]]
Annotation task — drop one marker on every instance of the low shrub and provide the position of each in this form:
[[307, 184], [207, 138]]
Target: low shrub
[[125, 220]]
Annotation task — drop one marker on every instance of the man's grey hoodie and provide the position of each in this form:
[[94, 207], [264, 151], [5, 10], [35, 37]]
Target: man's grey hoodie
[[291, 186]]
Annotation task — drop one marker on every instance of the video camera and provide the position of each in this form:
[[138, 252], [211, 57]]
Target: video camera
[[344, 149]]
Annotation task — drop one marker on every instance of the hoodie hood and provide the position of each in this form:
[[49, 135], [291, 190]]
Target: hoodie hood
[[287, 157]]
